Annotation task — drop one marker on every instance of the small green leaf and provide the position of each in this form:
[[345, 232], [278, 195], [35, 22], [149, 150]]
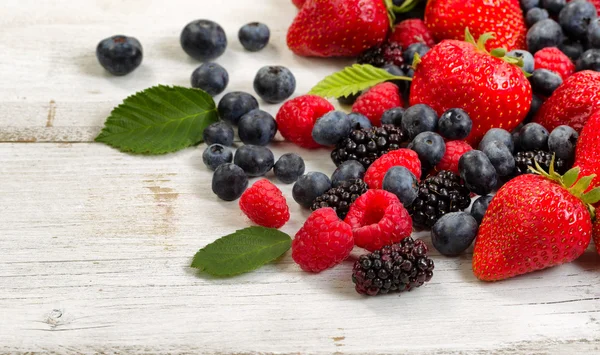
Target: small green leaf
[[469, 37], [159, 120], [582, 185], [570, 177], [242, 251], [498, 52], [592, 197], [352, 80]]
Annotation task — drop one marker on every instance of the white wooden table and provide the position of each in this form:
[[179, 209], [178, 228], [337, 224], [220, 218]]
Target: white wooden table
[[95, 244]]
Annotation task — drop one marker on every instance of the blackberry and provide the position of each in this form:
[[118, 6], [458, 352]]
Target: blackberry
[[389, 53], [438, 195], [395, 268], [523, 160], [340, 198], [367, 144]]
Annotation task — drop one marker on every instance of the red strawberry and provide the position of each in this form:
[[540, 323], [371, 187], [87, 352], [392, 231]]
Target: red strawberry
[[572, 103], [378, 99], [411, 31], [298, 3], [454, 150], [447, 19], [596, 234], [533, 222], [400, 157], [587, 154], [553, 59], [338, 28], [297, 117], [460, 74]]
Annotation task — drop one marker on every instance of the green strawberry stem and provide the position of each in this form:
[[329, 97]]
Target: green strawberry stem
[[407, 6]]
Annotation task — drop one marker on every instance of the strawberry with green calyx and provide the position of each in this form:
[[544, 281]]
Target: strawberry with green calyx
[[535, 221], [587, 151]]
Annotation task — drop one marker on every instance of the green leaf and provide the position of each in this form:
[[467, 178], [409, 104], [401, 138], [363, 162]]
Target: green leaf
[[242, 251], [592, 197], [570, 177], [352, 80], [159, 120]]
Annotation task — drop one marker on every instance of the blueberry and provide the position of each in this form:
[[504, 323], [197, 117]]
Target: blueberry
[[501, 158], [480, 206], [348, 100], [430, 148], [544, 82], [348, 170], [229, 182], [274, 84], [220, 133], [528, 63], [359, 121], [216, 155], [210, 77], [454, 233], [500, 135], [203, 40], [254, 36], [331, 128], [403, 183], [477, 172], [554, 7], [527, 5], [571, 49], [455, 124], [545, 33], [593, 34], [236, 104], [393, 116], [535, 15], [289, 168], [534, 136], [562, 142], [254, 159], [418, 47], [589, 60], [417, 119], [119, 55], [403, 85], [309, 187], [575, 17], [257, 127], [536, 103]]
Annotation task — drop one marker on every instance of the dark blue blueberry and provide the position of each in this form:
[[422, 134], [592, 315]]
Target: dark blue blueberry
[[527, 5], [403, 183], [289, 168], [417, 119], [455, 124], [536, 103], [533, 136], [589, 60], [348, 100], [254, 159], [500, 135], [593, 34], [215, 155], [454, 233], [535, 15], [257, 127], [210, 77], [254, 36], [359, 121], [348, 170], [229, 182], [274, 84], [528, 63], [219, 132], [545, 33], [393, 116], [554, 7], [575, 18], [332, 128], [480, 206], [430, 147], [418, 47], [119, 55], [203, 40], [562, 142], [501, 158], [309, 187], [236, 104], [544, 82], [477, 172], [571, 49], [403, 85]]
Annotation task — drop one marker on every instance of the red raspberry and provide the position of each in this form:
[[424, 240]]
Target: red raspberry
[[378, 99], [378, 219], [323, 241], [411, 31], [264, 204], [400, 157], [454, 150], [297, 117], [553, 59]]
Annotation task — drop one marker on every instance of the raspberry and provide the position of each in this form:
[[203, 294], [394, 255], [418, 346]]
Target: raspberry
[[454, 150], [553, 59], [377, 219], [264, 204], [297, 117], [378, 99], [399, 157], [323, 241], [411, 31]]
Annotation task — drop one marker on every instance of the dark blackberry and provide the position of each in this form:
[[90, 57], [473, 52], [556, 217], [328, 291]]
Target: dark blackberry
[[439, 194], [389, 53], [368, 144], [340, 198], [523, 160], [395, 268]]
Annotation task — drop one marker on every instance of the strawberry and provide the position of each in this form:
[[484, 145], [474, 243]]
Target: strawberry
[[447, 19], [554, 59], [596, 234], [378, 99], [298, 3], [338, 28], [532, 223], [587, 153], [411, 31], [456, 74], [572, 103]]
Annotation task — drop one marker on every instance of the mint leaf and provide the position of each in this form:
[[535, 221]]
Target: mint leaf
[[159, 120], [352, 80], [242, 251]]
